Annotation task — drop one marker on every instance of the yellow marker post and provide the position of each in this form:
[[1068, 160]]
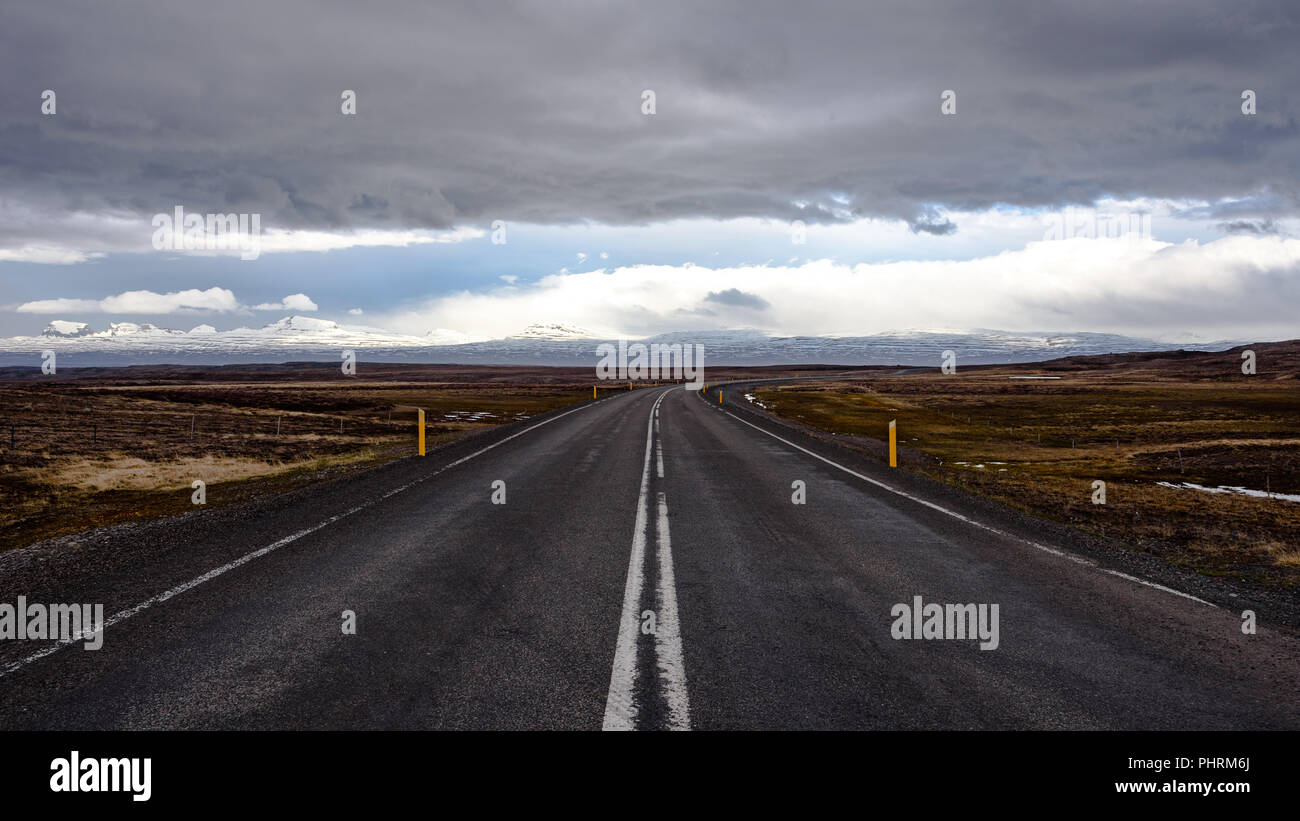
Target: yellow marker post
[[593, 391], [719, 397], [421, 411], [893, 443]]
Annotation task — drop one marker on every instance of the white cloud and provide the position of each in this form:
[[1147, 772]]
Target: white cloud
[[218, 300], [355, 311], [213, 300], [511, 278], [1235, 287], [46, 254], [149, 302], [274, 241], [58, 306], [56, 237], [293, 302]]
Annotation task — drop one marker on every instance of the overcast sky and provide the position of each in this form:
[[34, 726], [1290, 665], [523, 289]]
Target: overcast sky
[[626, 222]]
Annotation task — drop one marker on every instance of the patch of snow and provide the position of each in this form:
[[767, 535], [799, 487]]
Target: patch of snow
[[468, 416], [1239, 491]]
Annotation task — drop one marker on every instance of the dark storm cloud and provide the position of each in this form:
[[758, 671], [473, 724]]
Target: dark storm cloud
[[929, 221], [1256, 227], [737, 298], [470, 112], [939, 229]]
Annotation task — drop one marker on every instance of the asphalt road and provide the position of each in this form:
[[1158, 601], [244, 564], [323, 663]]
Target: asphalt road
[[648, 569]]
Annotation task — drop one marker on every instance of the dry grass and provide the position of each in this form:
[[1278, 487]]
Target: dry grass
[[93, 451], [1039, 445], [122, 472]]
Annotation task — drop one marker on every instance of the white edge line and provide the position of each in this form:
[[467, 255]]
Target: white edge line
[[970, 521], [260, 552]]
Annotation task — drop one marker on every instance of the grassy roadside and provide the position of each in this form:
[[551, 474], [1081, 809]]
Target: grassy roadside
[[87, 453], [1039, 445]]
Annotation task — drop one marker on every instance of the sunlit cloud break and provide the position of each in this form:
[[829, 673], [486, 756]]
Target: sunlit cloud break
[[1122, 285]]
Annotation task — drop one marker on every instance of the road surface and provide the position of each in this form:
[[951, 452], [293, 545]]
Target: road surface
[[648, 569]]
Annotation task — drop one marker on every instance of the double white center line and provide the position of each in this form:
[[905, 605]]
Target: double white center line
[[623, 707]]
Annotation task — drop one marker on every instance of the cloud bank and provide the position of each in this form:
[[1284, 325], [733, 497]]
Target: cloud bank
[[1242, 286], [468, 113], [193, 301]]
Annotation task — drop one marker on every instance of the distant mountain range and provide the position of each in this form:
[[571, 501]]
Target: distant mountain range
[[299, 338]]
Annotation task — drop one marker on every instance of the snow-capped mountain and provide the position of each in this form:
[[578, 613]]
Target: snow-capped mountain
[[552, 331], [300, 324], [132, 330], [60, 327], [299, 338]]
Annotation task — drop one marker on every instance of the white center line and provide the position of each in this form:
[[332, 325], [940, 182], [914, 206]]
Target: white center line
[[621, 709], [668, 632]]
